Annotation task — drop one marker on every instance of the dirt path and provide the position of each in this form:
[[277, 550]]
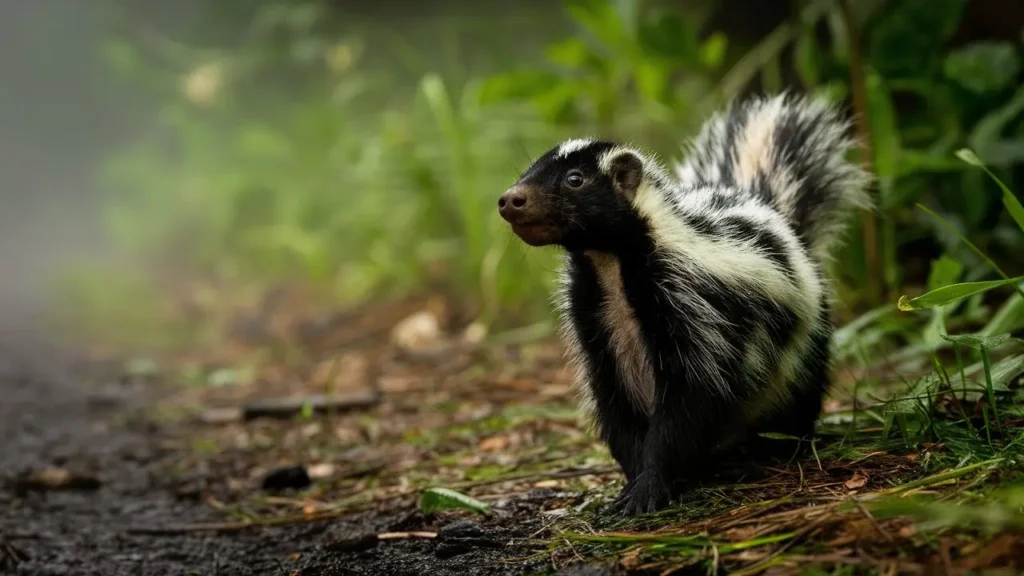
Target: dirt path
[[52, 418], [48, 420]]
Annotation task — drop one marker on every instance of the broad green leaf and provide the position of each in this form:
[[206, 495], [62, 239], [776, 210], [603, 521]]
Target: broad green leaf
[[983, 67], [976, 341], [435, 499], [950, 294], [1002, 373]]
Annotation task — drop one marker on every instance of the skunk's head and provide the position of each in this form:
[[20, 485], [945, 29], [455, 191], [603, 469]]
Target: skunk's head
[[578, 195]]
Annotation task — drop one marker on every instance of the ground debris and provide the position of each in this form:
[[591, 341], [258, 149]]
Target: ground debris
[[54, 479], [288, 478], [10, 555], [491, 417]]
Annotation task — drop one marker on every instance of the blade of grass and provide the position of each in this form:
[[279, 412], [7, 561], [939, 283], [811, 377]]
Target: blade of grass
[[941, 477], [1013, 206], [989, 388]]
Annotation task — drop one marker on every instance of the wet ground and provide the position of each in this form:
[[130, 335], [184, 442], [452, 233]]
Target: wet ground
[[86, 490], [191, 464]]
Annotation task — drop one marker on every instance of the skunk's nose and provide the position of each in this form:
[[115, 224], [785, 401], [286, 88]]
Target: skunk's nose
[[512, 203]]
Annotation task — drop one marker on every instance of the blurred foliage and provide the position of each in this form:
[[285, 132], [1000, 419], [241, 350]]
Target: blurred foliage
[[365, 158]]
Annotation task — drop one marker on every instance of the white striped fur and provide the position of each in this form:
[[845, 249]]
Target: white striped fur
[[731, 168]]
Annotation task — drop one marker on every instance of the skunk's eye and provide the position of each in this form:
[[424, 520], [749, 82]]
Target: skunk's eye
[[574, 179]]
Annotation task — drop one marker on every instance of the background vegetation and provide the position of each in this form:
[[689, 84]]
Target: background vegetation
[[361, 153]]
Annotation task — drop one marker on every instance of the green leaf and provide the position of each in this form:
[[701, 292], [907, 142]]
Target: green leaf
[[986, 134], [518, 84], [945, 271], [909, 35], [969, 157], [712, 51], [601, 19], [572, 52], [435, 499], [976, 341], [666, 35], [983, 67], [950, 294], [1008, 318]]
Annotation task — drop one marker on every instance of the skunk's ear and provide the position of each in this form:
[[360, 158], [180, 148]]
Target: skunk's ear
[[627, 171]]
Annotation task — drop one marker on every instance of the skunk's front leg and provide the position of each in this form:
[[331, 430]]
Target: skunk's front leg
[[676, 447], [694, 401], [622, 426]]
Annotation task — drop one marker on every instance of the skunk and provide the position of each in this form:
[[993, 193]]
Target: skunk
[[695, 303]]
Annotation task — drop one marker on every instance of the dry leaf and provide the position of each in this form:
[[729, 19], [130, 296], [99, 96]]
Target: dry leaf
[[547, 484], [322, 470], [743, 533], [858, 481], [474, 333], [416, 331], [556, 390], [832, 406], [494, 443], [630, 560]]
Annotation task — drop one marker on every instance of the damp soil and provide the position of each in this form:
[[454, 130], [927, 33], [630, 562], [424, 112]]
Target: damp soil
[[102, 511]]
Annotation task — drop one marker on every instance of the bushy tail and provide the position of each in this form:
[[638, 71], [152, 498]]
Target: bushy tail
[[792, 151]]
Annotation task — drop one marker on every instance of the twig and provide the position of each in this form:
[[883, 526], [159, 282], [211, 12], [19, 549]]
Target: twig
[[535, 477], [405, 535], [292, 406]]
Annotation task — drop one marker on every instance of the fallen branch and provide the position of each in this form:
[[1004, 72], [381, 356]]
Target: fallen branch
[[290, 407]]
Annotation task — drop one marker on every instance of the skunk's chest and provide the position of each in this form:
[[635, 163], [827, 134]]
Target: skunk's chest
[[625, 336]]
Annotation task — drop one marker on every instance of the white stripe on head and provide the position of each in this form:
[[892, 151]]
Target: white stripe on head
[[574, 145]]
